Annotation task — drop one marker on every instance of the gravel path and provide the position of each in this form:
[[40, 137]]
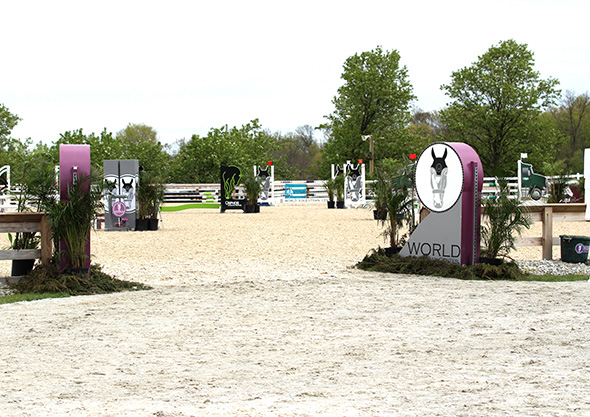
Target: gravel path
[[277, 324]]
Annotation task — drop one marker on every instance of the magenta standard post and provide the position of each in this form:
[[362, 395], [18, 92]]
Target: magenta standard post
[[74, 164], [470, 210]]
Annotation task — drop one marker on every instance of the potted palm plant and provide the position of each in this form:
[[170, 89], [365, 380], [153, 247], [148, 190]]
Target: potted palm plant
[[396, 200], [252, 187], [37, 189], [143, 202], [71, 221], [330, 186], [150, 196], [339, 186], [158, 191], [380, 190], [504, 218]]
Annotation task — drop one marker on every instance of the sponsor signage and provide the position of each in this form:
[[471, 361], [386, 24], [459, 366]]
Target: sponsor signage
[[231, 177], [295, 191], [581, 248], [119, 209]]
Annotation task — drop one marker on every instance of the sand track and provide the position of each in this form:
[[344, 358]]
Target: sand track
[[276, 324]]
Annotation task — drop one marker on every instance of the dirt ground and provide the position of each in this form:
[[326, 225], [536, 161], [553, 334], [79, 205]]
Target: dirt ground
[[263, 315]]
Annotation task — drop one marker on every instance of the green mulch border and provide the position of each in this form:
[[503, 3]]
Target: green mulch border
[[45, 281], [378, 261]]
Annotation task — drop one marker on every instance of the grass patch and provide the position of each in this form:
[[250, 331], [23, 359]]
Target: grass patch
[[555, 278], [17, 298], [191, 206], [47, 279], [378, 261]]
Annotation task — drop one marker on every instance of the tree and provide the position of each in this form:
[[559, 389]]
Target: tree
[[103, 146], [496, 106], [7, 122], [572, 119], [139, 141], [198, 160], [13, 152], [305, 135], [300, 152], [425, 128], [374, 100]]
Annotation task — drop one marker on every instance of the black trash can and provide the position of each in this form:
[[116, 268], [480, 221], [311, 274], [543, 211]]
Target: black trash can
[[574, 249]]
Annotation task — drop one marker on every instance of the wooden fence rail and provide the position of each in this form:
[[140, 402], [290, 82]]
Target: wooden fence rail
[[27, 222], [547, 214]]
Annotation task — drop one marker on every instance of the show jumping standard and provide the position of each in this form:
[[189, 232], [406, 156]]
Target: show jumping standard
[[449, 180]]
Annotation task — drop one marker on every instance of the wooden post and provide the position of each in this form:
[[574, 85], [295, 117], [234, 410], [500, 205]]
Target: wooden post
[[547, 232], [46, 244], [372, 151]]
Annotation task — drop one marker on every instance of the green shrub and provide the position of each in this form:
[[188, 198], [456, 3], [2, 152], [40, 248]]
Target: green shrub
[[506, 217], [47, 279], [378, 261]]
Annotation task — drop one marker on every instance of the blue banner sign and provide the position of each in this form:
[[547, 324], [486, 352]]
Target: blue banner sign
[[295, 191]]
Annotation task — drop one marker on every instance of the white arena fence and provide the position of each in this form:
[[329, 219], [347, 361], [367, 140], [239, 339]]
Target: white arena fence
[[314, 191]]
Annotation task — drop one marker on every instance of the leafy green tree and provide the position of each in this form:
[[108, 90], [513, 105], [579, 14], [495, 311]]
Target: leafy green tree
[[374, 100], [103, 146], [496, 106], [136, 141], [13, 152], [198, 160], [300, 152], [572, 119], [7, 122], [139, 141]]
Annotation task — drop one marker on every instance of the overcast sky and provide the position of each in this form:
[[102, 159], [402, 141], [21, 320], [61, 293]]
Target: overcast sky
[[184, 67]]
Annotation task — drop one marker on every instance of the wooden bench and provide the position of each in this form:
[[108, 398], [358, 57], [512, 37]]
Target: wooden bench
[[27, 222]]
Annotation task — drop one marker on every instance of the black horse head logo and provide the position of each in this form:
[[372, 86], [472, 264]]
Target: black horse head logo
[[438, 178], [128, 185], [353, 172], [439, 163], [263, 173], [111, 185]]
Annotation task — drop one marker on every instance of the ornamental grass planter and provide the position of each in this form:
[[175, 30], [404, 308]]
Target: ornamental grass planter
[[152, 224], [380, 214], [21, 267], [141, 225]]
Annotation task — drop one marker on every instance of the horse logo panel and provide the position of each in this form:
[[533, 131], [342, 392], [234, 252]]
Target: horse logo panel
[[355, 183], [266, 177], [439, 177], [122, 179]]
